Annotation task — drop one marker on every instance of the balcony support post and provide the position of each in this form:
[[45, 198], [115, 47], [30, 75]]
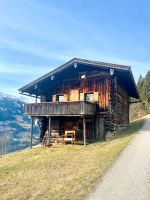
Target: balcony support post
[[93, 129], [84, 130], [49, 130], [31, 131]]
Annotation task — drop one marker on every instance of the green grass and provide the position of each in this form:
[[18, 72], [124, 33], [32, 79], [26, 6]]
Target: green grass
[[68, 172]]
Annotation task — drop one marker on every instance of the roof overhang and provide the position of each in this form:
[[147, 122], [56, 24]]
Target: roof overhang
[[121, 70]]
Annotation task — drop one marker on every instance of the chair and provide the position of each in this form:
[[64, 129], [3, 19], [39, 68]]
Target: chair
[[69, 136]]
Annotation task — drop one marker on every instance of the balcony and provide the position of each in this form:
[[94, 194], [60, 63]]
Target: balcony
[[74, 108]]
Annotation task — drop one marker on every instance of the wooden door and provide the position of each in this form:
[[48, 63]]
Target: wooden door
[[74, 95]]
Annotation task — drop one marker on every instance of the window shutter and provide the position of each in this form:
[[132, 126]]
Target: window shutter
[[81, 96], [95, 96], [65, 97], [54, 98]]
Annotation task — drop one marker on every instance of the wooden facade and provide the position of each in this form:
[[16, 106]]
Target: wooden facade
[[87, 96]]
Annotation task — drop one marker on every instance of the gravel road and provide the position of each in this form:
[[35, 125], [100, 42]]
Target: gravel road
[[129, 177]]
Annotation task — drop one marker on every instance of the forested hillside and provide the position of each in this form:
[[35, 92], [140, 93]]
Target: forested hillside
[[14, 126], [138, 110]]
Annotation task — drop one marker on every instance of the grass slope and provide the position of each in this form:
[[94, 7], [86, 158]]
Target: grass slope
[[139, 110], [69, 172]]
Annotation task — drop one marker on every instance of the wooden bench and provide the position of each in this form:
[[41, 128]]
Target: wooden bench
[[69, 136]]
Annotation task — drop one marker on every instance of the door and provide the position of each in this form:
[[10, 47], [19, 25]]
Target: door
[[74, 95]]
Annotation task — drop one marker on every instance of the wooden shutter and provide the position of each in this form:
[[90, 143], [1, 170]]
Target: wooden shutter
[[82, 96], [65, 97], [54, 98], [95, 96]]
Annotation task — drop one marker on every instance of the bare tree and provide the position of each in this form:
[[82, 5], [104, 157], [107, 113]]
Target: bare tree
[[4, 141]]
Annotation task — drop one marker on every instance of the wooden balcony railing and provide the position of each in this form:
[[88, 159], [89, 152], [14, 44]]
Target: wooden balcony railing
[[60, 108]]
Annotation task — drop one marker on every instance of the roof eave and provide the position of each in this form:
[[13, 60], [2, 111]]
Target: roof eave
[[69, 63], [138, 95]]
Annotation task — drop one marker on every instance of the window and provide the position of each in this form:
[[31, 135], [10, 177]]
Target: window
[[60, 98], [89, 97]]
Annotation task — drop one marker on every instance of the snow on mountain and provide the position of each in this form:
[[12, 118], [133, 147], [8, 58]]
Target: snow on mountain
[[13, 120], [10, 106], [2, 95]]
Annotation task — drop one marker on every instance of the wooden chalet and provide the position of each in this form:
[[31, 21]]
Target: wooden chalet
[[84, 96]]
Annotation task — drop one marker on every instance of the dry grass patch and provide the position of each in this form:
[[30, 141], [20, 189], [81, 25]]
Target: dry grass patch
[[68, 173]]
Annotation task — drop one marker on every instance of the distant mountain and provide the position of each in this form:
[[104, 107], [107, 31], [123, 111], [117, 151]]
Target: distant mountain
[[11, 108], [13, 121]]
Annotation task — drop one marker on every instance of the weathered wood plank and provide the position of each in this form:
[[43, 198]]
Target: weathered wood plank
[[60, 108]]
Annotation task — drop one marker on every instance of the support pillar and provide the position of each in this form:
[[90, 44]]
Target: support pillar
[[93, 130], [49, 130], [84, 131], [31, 132]]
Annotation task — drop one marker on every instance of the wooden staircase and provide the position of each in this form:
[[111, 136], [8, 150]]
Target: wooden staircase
[[49, 141]]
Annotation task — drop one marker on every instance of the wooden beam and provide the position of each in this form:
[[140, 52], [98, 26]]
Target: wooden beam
[[84, 131], [49, 130], [31, 132], [93, 130], [30, 95]]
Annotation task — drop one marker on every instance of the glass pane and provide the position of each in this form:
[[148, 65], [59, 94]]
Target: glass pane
[[89, 96], [61, 98]]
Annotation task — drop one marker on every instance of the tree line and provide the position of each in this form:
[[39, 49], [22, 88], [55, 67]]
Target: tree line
[[143, 85], [138, 110]]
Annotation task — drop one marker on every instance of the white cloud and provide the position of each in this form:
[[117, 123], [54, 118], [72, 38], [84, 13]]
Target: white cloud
[[32, 49], [23, 69]]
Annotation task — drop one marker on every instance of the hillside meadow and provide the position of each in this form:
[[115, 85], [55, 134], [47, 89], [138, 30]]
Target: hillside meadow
[[67, 172]]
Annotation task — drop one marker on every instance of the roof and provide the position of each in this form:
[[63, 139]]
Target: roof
[[117, 67]]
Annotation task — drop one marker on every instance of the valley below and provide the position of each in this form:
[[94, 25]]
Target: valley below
[[14, 126]]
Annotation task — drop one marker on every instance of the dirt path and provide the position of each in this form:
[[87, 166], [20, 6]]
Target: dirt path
[[129, 177]]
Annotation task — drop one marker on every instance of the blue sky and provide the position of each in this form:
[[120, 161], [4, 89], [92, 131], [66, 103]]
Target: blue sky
[[39, 35]]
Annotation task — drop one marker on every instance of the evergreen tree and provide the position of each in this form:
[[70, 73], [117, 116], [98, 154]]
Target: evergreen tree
[[140, 85], [140, 82], [146, 88]]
